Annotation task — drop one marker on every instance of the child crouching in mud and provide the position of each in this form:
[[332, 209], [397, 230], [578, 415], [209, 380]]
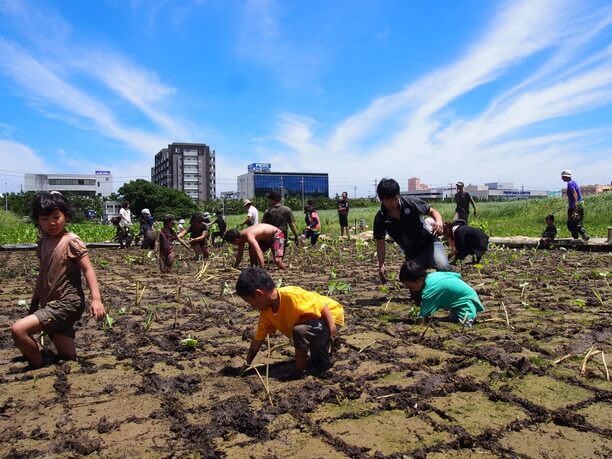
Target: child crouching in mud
[[441, 290], [58, 300], [312, 320]]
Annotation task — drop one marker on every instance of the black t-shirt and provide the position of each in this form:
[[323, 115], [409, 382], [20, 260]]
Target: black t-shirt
[[463, 200], [408, 231], [343, 206]]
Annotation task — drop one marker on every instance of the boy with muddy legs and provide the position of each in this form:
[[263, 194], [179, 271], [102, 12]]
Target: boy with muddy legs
[[260, 238], [58, 300], [441, 290], [312, 320], [166, 237]]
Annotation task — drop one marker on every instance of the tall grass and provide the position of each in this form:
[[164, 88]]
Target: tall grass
[[509, 218]]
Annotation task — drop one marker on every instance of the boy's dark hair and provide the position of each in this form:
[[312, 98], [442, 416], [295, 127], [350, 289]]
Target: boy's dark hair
[[412, 271], [44, 203], [387, 188], [124, 204], [550, 217], [195, 219], [310, 202], [252, 279], [115, 220], [274, 196], [231, 235]]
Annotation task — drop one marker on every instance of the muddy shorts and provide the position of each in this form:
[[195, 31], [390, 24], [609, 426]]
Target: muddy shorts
[[60, 316], [314, 335], [343, 218], [277, 244]]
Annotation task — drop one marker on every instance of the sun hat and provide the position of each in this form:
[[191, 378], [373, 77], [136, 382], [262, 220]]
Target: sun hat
[[566, 173], [206, 215], [146, 211], [459, 184], [246, 202], [182, 221]]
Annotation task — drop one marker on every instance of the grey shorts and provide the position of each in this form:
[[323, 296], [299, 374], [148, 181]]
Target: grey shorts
[[314, 335], [60, 316]]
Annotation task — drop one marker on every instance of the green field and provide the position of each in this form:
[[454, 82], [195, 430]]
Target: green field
[[514, 218]]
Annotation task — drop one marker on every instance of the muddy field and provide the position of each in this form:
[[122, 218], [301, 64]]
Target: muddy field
[[490, 391]]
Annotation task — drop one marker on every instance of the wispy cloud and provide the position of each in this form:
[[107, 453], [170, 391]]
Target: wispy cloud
[[263, 40], [416, 131]]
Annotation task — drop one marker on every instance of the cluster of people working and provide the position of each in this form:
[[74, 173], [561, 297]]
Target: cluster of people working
[[311, 320]]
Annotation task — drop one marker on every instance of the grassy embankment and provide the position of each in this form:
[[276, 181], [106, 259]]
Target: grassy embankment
[[513, 218]]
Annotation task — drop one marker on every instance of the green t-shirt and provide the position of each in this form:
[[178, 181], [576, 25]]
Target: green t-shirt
[[447, 291]]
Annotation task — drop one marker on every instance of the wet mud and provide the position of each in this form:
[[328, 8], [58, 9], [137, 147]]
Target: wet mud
[[396, 389]]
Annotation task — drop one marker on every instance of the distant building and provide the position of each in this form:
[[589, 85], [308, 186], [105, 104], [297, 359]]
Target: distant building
[[229, 195], [479, 192], [260, 180], [110, 209], [98, 184], [588, 190], [188, 167], [506, 190], [414, 184]]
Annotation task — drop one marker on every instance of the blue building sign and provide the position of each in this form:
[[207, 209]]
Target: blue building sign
[[259, 167]]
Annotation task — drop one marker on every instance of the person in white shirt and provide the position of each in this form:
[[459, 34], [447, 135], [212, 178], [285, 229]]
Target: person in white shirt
[[126, 215], [252, 214]]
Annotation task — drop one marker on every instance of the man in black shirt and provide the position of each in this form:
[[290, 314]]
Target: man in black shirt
[[463, 200], [279, 215], [343, 210], [402, 218]]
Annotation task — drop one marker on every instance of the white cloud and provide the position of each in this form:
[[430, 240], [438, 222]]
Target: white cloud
[[417, 131]]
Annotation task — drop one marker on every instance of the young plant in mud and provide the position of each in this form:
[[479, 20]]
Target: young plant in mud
[[522, 297], [338, 286]]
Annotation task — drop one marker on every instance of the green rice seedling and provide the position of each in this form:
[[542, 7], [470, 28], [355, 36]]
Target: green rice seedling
[[107, 322], [598, 296], [338, 286], [189, 342]]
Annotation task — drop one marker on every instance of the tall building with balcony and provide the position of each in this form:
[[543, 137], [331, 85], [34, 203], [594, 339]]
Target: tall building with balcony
[[188, 167]]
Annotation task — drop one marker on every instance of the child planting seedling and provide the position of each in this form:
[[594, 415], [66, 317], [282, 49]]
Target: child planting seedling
[[312, 320], [260, 238], [441, 290], [58, 300]]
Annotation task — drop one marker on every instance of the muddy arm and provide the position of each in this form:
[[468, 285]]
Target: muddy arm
[[96, 307], [326, 315], [253, 350]]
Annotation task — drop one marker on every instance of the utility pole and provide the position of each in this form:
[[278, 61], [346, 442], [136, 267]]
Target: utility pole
[[375, 183], [6, 196], [302, 181], [282, 190], [354, 192]]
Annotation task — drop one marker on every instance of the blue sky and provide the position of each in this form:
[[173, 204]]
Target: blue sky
[[444, 90]]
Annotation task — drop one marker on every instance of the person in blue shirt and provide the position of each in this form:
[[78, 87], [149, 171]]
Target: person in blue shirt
[[441, 290], [575, 208]]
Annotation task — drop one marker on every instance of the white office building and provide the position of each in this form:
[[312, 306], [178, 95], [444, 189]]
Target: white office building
[[98, 184]]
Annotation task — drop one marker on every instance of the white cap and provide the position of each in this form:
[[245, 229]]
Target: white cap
[[566, 173], [182, 221], [146, 211]]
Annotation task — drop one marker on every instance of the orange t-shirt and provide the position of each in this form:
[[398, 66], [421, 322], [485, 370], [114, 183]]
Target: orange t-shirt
[[296, 306]]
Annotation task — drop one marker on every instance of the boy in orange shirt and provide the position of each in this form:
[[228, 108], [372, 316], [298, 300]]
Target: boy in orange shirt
[[312, 320]]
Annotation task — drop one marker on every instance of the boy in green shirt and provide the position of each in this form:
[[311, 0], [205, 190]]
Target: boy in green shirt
[[312, 320], [441, 290]]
